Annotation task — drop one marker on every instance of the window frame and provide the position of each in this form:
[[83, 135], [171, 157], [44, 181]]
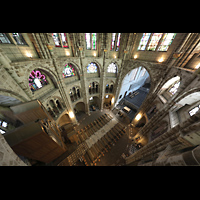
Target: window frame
[[160, 42]]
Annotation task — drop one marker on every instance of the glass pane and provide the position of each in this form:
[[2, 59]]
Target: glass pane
[[68, 71], [56, 39], [94, 41], [118, 41], [92, 68], [19, 38], [4, 39], [112, 68], [113, 41], [87, 39], [37, 80], [154, 41], [144, 41], [166, 41], [64, 40]]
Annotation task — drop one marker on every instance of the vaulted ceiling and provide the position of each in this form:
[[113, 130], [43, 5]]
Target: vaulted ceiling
[[184, 50]]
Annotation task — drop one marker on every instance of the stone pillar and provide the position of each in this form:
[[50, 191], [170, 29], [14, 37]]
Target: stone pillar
[[102, 81], [84, 84], [7, 155]]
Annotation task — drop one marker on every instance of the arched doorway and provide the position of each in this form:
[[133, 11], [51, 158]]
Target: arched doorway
[[79, 110], [134, 89], [107, 101], [94, 103]]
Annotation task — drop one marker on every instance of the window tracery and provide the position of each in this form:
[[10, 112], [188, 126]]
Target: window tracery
[[112, 68], [68, 71], [37, 80], [92, 68]]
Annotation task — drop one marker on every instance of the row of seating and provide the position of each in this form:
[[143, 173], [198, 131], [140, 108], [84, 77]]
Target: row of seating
[[96, 151], [93, 127]]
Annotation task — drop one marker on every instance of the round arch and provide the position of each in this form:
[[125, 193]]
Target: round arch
[[13, 95], [98, 68], [76, 69], [46, 70], [64, 120], [193, 90], [130, 75], [116, 65], [80, 106], [169, 82]]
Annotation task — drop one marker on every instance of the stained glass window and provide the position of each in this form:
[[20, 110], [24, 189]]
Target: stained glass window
[[94, 41], [194, 110], [4, 39], [166, 41], [174, 89], [19, 38], [56, 39], [144, 41], [64, 40], [92, 68], [118, 41], [68, 71], [37, 80], [112, 68], [87, 39], [154, 41], [113, 41], [114, 44]]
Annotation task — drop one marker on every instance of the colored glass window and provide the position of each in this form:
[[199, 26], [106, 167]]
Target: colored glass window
[[92, 68], [56, 39], [87, 39], [37, 80], [112, 68], [94, 41], [4, 39], [64, 40], [144, 41], [166, 41], [113, 41], [68, 71], [19, 38], [118, 41], [154, 41]]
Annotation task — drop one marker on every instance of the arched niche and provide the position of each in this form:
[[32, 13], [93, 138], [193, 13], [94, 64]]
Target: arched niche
[[107, 101], [169, 89], [64, 120], [94, 101], [93, 87], [134, 80], [79, 110]]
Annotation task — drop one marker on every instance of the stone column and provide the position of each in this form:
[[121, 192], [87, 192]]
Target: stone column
[[7, 155], [102, 81], [84, 84]]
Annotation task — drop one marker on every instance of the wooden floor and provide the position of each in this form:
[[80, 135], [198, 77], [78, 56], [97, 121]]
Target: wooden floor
[[114, 155]]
